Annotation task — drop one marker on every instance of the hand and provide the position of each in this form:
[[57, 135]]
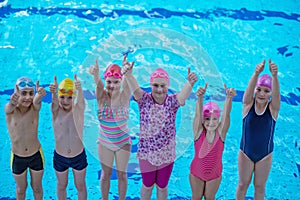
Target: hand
[[260, 67], [192, 78], [77, 83], [230, 92], [273, 68], [40, 90], [201, 91], [53, 86], [14, 99], [126, 66], [94, 69]]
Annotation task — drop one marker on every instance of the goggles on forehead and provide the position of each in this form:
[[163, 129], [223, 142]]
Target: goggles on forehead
[[211, 112], [64, 92], [160, 75], [26, 84], [114, 74]]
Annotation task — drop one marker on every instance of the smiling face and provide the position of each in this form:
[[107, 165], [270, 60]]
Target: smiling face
[[66, 102], [113, 84], [211, 123], [26, 97], [262, 94], [159, 88]]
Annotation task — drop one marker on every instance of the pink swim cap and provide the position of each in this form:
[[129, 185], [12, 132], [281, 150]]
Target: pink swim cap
[[265, 81], [159, 73], [113, 70], [211, 109]]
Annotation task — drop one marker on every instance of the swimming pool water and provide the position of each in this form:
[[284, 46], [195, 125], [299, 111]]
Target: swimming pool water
[[222, 42]]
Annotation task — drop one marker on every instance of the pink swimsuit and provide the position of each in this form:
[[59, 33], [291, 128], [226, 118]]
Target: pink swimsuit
[[207, 163]]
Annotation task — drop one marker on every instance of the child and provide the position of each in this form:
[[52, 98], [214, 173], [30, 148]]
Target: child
[[114, 139], [209, 138], [156, 150], [22, 117], [68, 119], [259, 118]]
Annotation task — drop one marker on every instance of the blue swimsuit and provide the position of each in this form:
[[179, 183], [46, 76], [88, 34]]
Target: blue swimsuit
[[258, 131]]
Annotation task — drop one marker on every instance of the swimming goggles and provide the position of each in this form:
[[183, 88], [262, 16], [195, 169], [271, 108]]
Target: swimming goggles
[[25, 83], [65, 91], [212, 111], [160, 75], [115, 75]]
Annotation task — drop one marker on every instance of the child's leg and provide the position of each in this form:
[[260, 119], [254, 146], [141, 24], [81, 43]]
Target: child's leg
[[106, 158], [62, 182], [149, 174], [79, 179], [21, 185], [122, 158], [163, 177], [211, 188], [197, 186]]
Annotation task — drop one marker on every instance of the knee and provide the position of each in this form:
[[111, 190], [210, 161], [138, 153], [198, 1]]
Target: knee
[[37, 189], [243, 185], [62, 185], [21, 190], [122, 176], [105, 175], [209, 197], [259, 187], [81, 186]]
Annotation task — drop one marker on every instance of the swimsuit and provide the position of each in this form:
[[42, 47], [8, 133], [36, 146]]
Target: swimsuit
[[207, 163], [20, 164], [114, 133], [61, 163], [258, 131], [157, 129]]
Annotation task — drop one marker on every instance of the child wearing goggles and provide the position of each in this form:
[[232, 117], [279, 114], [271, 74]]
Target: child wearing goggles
[[114, 141], [156, 150], [209, 137], [22, 116]]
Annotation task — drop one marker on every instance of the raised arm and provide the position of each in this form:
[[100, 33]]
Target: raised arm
[[197, 125], [187, 88], [12, 104], [248, 95], [225, 120], [275, 102], [94, 70], [54, 105], [80, 97], [40, 93], [129, 80]]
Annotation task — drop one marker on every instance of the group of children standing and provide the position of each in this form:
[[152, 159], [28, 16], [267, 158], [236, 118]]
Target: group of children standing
[[157, 144]]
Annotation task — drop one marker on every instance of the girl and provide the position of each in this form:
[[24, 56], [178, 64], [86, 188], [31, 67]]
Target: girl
[[209, 138]]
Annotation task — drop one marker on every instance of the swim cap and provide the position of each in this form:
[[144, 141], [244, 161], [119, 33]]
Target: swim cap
[[265, 81], [113, 70], [25, 83], [66, 88], [211, 109], [159, 73]]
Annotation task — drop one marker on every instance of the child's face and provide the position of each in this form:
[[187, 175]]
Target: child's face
[[211, 123], [66, 102], [113, 84], [262, 94], [26, 97], [159, 88]]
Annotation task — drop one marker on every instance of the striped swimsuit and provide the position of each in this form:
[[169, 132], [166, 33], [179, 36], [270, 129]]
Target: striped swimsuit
[[114, 133], [207, 163]]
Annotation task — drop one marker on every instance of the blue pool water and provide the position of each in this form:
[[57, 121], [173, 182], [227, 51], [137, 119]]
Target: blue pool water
[[221, 41]]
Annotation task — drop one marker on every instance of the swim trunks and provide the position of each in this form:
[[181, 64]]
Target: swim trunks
[[20, 164], [258, 131], [61, 163], [207, 163]]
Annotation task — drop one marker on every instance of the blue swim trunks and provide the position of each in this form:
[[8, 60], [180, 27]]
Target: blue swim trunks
[[61, 163]]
